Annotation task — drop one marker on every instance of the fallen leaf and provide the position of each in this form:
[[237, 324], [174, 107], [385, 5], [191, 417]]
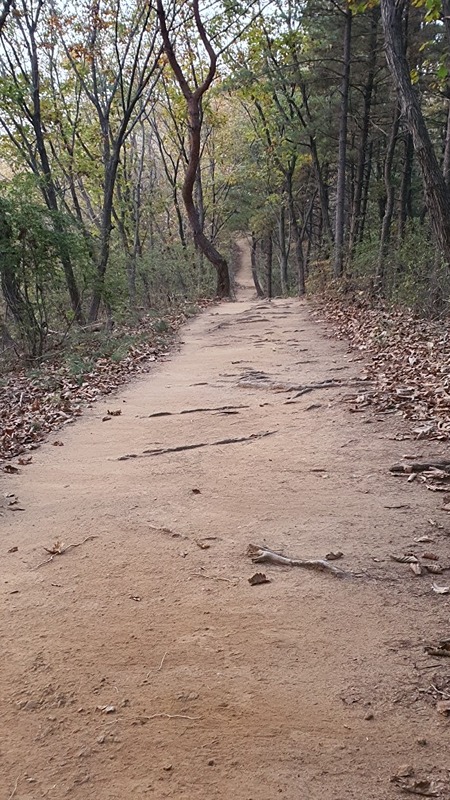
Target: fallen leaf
[[13, 550], [258, 578], [407, 559], [58, 444], [202, 545], [196, 491], [424, 539], [106, 419], [334, 556], [11, 469], [430, 556], [440, 589], [433, 569], [135, 597], [24, 461], [416, 568], [114, 413]]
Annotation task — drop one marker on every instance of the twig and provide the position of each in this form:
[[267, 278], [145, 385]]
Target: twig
[[63, 550], [211, 577], [162, 450], [162, 662], [261, 555], [14, 790], [172, 716]]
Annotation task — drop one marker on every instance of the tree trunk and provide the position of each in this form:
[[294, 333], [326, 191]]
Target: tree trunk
[[436, 192], [284, 254], [390, 198], [405, 189], [299, 257], [269, 266], [355, 223], [256, 281], [105, 235], [365, 193], [342, 154]]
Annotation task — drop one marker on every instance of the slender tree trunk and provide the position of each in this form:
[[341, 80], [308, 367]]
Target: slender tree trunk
[[299, 257], [355, 222], [342, 155], [256, 281], [446, 161], [405, 189], [105, 235], [390, 198], [365, 193], [269, 264], [284, 254], [436, 192]]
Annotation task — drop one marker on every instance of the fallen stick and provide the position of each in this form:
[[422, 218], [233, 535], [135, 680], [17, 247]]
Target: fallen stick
[[262, 555], [62, 550], [193, 411], [162, 450], [420, 466]]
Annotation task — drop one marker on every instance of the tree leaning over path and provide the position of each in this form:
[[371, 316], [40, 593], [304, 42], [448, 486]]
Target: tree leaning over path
[[194, 98]]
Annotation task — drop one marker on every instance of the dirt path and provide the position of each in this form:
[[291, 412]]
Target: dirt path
[[141, 665]]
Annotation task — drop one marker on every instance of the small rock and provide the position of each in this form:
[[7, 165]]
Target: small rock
[[422, 741], [101, 739], [211, 762], [168, 768], [369, 715]]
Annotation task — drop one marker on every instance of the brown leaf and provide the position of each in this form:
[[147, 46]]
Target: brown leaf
[[11, 469], [24, 461], [258, 578], [114, 413]]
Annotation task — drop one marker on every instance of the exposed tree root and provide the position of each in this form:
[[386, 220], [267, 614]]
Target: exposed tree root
[[194, 411], [162, 450]]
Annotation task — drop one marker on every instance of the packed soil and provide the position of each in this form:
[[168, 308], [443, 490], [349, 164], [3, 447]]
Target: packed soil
[[142, 663]]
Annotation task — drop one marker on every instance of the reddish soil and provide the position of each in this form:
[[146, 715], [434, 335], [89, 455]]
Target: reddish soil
[[143, 664]]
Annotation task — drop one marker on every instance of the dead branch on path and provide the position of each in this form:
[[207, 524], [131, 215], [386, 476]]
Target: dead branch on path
[[260, 555], [420, 466], [194, 411], [59, 550], [180, 448]]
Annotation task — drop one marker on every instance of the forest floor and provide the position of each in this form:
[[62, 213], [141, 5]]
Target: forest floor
[[142, 663]]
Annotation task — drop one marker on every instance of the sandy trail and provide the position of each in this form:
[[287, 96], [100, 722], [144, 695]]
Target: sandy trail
[[306, 687]]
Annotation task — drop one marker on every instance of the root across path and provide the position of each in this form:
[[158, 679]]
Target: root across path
[[151, 662]]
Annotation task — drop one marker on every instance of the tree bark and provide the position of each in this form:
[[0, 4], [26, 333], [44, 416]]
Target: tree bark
[[342, 155], [436, 192]]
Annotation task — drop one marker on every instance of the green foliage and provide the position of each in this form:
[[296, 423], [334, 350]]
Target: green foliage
[[32, 280]]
